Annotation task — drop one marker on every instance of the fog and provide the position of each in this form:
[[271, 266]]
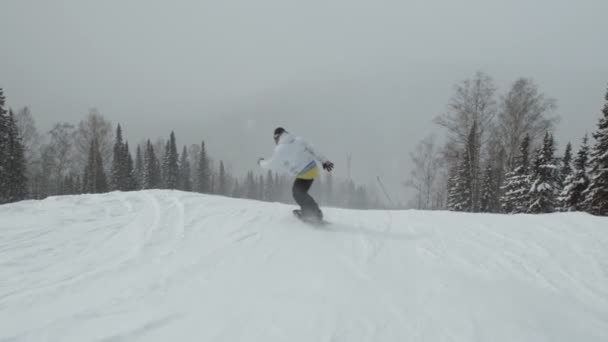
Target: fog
[[363, 78]]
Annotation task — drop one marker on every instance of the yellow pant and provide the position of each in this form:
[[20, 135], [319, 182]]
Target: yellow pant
[[309, 174]]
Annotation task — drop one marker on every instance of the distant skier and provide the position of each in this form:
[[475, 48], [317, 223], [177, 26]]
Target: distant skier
[[294, 156]]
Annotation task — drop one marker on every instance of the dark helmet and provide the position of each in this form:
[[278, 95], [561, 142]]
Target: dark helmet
[[278, 131]]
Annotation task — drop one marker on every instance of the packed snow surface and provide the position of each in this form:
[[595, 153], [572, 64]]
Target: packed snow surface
[[175, 266]]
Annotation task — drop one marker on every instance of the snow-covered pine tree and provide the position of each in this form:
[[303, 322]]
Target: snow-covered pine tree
[[158, 175], [487, 190], [596, 195], [473, 150], [204, 171], [3, 150], [517, 182], [462, 184], [565, 169], [466, 185], [119, 175], [498, 180], [170, 166], [101, 183], [96, 181], [16, 187], [147, 166], [222, 186], [184, 171], [130, 177], [544, 180], [139, 169], [164, 164], [571, 197], [452, 181], [151, 173], [89, 171]]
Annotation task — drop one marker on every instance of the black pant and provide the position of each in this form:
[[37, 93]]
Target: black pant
[[306, 202]]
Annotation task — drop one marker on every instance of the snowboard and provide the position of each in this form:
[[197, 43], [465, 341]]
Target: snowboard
[[309, 220]]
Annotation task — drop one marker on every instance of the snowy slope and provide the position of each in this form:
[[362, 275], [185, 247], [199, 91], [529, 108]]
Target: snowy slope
[[173, 266]]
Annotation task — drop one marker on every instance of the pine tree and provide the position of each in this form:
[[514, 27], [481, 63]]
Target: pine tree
[[487, 190], [139, 169], [453, 195], [465, 187], [566, 164], [102, 180], [151, 172], [596, 195], [16, 187], [571, 197], [119, 176], [170, 166], [498, 178], [515, 198], [131, 178], [473, 151], [462, 184], [222, 186], [157, 173], [4, 154], [544, 180], [95, 177], [204, 173], [184, 171], [260, 189], [147, 168]]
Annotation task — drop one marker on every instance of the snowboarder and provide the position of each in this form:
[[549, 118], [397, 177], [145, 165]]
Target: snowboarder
[[294, 156]]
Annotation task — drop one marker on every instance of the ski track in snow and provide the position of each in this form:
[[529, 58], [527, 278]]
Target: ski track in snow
[[167, 265]]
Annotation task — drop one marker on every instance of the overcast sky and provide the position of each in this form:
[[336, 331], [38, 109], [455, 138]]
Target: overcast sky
[[359, 77]]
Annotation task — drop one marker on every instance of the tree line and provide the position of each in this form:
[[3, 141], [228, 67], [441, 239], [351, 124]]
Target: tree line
[[499, 156], [93, 157]]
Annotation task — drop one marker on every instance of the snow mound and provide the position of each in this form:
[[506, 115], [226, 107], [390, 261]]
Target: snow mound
[[175, 266]]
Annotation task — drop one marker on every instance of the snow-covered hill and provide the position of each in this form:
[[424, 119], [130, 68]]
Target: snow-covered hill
[[174, 266]]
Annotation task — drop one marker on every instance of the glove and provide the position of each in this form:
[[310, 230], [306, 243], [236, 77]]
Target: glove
[[260, 161], [329, 166]]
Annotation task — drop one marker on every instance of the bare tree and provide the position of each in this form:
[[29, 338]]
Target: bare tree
[[473, 101], [95, 126], [32, 141], [524, 111], [28, 132], [56, 161], [60, 148], [423, 177]]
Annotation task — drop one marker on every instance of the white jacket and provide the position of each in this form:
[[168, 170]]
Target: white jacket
[[292, 155]]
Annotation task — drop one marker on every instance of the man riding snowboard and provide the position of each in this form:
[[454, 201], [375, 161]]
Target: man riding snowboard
[[294, 156]]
